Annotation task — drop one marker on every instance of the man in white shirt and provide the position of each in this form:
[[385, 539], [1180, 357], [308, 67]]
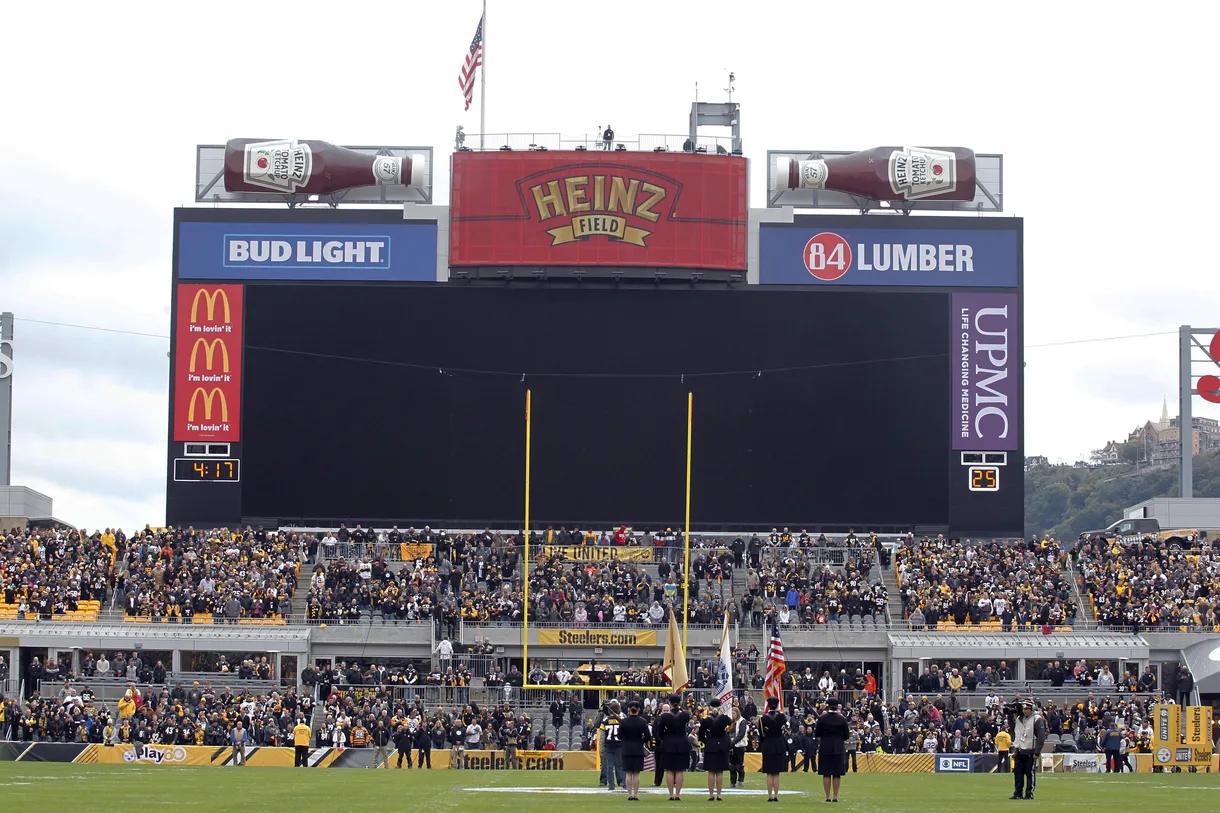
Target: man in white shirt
[[444, 651]]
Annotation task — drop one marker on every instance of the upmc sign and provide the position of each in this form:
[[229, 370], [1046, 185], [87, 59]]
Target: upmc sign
[[986, 377], [207, 363], [676, 210], [803, 254]]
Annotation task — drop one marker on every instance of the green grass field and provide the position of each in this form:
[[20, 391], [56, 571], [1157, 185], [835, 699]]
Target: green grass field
[[100, 789]]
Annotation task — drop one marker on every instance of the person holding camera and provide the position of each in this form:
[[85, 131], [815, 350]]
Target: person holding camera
[[1028, 736]]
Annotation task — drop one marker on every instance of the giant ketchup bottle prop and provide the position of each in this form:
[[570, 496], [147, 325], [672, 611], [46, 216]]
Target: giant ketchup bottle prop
[[886, 173], [291, 167]]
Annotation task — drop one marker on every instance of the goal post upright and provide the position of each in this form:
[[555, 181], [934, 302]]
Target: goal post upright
[[690, 414], [525, 563], [525, 630]]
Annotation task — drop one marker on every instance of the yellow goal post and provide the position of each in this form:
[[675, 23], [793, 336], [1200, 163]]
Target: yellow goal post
[[525, 532]]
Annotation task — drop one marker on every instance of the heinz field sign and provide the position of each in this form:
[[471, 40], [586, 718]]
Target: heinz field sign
[[598, 209]]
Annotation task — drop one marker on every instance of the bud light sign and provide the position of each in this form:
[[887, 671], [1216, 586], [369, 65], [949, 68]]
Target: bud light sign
[[353, 252], [831, 254], [985, 367]]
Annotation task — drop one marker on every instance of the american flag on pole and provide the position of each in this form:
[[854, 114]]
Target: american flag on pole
[[776, 666], [650, 761], [474, 58]]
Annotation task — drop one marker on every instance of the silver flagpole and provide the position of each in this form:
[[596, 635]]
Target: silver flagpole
[[483, 82]]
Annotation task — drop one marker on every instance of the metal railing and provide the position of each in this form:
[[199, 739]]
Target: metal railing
[[647, 142]]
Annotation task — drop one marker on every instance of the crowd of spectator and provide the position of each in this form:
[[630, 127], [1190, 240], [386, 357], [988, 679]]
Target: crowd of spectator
[[48, 572], [176, 574], [1015, 585], [382, 717], [165, 715], [1144, 585], [789, 584]]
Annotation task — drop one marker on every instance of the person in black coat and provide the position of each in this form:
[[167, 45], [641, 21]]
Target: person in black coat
[[423, 741], [675, 748], [774, 746], [832, 733], [717, 747], [635, 734]]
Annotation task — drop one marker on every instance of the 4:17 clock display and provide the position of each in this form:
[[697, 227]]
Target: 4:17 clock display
[[207, 470]]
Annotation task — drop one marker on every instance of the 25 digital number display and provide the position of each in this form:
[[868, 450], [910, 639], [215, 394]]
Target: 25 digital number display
[[984, 478], [204, 470]]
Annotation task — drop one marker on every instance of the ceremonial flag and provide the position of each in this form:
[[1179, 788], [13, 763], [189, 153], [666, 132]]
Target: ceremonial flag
[[724, 670], [776, 666], [674, 668]]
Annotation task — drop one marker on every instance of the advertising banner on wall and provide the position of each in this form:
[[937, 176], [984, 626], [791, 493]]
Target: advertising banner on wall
[[586, 637], [536, 208], [351, 252], [802, 254], [207, 363], [598, 553], [985, 372]]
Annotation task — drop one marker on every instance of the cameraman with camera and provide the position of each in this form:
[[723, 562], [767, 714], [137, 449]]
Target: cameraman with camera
[[1028, 735]]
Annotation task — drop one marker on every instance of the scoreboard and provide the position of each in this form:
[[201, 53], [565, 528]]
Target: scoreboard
[[868, 375]]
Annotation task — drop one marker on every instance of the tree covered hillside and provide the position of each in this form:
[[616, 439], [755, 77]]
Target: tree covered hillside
[[1063, 501]]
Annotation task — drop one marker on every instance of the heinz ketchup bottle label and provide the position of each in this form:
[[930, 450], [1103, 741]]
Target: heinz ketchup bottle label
[[920, 172], [387, 170], [813, 174], [281, 166]]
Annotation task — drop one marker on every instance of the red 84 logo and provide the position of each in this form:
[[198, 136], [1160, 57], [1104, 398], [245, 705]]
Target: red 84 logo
[[827, 256], [1209, 385]]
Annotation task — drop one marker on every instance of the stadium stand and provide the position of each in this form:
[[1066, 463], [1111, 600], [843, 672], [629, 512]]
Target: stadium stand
[[960, 585], [154, 714], [197, 576], [55, 575], [1144, 586]]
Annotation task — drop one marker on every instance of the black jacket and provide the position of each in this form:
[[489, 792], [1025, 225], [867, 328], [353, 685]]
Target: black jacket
[[714, 733]]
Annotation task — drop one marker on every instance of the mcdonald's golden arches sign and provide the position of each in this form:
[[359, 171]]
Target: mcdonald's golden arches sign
[[207, 363]]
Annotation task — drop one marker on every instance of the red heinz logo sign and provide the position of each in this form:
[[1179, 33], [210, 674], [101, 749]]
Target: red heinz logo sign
[[601, 205], [620, 209]]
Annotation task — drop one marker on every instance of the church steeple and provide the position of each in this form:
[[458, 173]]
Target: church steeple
[[1164, 424]]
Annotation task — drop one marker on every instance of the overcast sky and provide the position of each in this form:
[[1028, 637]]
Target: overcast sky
[[1100, 111]]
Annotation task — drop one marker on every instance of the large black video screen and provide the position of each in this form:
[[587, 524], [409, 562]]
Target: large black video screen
[[407, 404]]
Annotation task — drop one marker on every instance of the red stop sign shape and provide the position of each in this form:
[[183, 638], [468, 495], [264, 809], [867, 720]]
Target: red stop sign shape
[[827, 256]]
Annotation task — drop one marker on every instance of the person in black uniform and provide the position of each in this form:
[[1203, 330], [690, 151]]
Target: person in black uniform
[[612, 746], [774, 746], [832, 733], [658, 765], [423, 741], [675, 747], [714, 734], [635, 734], [741, 738]]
